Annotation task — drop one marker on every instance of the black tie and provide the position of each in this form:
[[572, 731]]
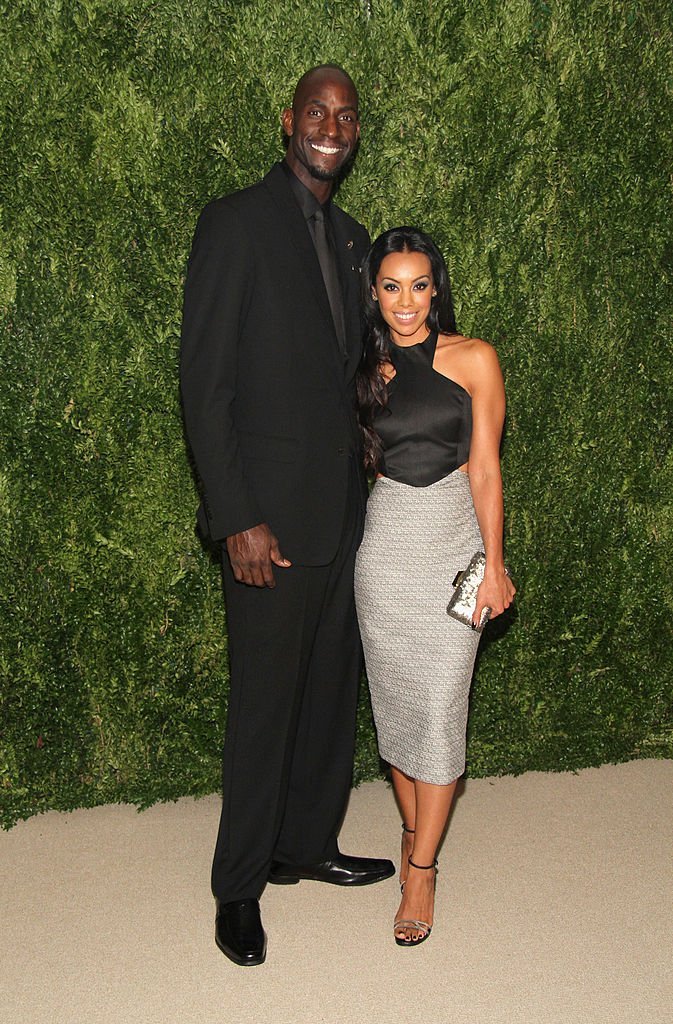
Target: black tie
[[330, 275]]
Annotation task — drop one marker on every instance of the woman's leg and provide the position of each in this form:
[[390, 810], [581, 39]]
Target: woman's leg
[[432, 805], [405, 794]]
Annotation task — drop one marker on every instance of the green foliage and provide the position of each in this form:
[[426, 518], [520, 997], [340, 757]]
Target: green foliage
[[533, 140]]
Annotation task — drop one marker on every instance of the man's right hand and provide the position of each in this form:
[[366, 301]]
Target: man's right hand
[[252, 554]]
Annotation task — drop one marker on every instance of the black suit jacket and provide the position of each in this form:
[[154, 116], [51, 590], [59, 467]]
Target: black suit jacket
[[268, 399]]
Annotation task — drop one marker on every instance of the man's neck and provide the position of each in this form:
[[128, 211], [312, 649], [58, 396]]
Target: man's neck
[[322, 190]]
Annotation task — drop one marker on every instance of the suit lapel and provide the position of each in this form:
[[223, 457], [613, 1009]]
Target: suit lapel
[[349, 269], [299, 238]]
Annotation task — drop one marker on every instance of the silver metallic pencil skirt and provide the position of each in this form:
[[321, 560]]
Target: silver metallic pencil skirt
[[419, 660]]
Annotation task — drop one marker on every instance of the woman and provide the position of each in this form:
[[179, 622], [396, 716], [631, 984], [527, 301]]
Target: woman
[[432, 406]]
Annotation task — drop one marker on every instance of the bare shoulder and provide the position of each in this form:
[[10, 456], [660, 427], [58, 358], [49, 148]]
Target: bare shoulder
[[484, 355], [469, 360], [471, 352], [475, 347]]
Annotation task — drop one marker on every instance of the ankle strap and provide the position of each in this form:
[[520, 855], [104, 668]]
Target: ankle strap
[[405, 829], [423, 867]]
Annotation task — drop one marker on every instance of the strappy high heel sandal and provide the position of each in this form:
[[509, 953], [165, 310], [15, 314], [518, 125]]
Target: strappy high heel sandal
[[403, 853], [418, 926]]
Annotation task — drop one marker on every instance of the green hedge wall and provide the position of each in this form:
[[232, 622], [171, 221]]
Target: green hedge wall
[[533, 140]]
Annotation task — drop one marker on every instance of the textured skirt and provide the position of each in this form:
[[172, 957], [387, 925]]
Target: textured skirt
[[419, 660]]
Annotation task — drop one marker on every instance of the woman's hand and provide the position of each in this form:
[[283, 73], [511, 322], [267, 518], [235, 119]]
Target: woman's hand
[[496, 592]]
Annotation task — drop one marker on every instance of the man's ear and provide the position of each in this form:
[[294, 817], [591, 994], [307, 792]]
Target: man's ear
[[287, 121]]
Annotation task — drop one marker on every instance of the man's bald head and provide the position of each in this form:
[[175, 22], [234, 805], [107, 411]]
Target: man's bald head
[[319, 75]]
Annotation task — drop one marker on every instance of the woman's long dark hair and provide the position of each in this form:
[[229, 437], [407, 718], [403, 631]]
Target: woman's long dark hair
[[371, 385]]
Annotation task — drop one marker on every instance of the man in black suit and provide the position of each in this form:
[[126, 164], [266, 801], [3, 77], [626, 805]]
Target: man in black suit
[[271, 341]]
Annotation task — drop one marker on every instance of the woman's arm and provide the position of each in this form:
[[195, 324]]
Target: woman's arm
[[488, 416]]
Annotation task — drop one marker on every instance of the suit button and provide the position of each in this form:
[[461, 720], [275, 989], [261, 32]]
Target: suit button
[[341, 451]]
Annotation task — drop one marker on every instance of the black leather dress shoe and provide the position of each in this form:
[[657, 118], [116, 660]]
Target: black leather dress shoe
[[341, 870], [239, 933]]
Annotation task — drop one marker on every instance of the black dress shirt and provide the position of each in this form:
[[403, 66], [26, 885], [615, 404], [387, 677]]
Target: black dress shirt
[[325, 249]]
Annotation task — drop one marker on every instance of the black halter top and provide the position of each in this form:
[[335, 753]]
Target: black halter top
[[426, 426]]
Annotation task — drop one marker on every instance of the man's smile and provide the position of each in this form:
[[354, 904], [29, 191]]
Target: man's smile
[[325, 150]]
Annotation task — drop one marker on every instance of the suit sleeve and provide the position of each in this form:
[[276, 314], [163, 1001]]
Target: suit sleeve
[[217, 293]]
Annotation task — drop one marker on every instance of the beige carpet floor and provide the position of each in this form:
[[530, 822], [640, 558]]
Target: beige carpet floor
[[554, 906]]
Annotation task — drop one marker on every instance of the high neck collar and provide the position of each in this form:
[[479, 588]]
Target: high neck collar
[[432, 335]]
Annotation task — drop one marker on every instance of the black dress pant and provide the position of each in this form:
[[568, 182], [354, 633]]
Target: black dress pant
[[295, 661]]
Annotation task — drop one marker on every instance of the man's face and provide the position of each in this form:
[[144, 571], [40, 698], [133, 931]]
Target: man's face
[[322, 126]]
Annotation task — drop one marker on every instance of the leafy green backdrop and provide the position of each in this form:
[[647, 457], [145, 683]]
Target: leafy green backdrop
[[533, 140]]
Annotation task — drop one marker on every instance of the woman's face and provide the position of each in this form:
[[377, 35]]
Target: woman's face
[[404, 291]]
